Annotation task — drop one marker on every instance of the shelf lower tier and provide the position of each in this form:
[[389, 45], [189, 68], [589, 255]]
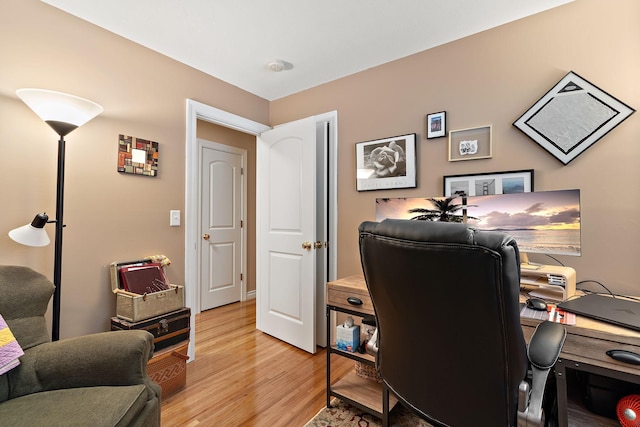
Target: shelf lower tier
[[365, 392]]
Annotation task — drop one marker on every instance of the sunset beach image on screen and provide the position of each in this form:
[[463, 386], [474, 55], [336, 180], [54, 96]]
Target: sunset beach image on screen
[[545, 222]]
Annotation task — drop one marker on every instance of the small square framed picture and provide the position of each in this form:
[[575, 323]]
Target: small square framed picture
[[437, 125], [470, 144]]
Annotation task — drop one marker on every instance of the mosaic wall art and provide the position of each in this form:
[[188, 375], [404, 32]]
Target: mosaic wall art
[[137, 156]]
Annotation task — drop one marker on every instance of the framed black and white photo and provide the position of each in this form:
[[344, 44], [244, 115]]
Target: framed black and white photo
[[437, 125], [483, 184], [470, 144], [571, 117], [386, 163]]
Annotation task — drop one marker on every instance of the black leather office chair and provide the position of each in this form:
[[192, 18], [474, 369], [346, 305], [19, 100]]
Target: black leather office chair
[[451, 347]]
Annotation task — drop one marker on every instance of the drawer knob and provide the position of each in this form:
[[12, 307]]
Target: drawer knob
[[354, 301]]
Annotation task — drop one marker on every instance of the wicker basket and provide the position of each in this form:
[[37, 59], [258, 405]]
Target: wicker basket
[[370, 372], [168, 368]]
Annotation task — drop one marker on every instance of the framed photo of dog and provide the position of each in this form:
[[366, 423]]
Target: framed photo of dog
[[386, 163]]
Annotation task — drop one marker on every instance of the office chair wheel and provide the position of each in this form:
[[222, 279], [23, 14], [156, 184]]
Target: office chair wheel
[[628, 410]]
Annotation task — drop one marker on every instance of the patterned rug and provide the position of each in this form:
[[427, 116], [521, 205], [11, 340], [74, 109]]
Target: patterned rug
[[344, 415]]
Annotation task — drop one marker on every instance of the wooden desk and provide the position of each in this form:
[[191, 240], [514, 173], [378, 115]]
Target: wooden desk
[[584, 350]]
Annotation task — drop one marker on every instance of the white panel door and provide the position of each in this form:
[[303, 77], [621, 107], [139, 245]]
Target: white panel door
[[286, 211], [221, 225]]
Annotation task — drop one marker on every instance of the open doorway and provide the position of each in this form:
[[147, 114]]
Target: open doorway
[[197, 111]]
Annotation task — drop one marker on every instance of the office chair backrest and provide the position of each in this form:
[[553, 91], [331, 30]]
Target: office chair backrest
[[446, 300]]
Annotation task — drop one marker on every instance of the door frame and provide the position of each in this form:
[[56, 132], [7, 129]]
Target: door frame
[[198, 111]]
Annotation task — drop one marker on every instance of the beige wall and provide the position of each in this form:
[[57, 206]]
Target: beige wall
[[223, 135], [489, 78], [492, 78], [109, 216]]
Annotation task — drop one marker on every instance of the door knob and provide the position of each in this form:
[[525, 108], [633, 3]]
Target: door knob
[[319, 245], [306, 245], [205, 236]]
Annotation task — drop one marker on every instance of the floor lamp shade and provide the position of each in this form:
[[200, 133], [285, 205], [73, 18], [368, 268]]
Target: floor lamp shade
[[63, 112], [32, 234]]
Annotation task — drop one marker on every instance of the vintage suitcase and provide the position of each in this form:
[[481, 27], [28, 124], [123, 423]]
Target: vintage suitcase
[[168, 368], [135, 307], [168, 329]]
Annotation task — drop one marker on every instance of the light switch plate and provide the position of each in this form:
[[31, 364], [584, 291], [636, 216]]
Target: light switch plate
[[174, 218]]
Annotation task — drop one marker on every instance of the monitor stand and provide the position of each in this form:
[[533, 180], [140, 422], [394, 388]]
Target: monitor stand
[[550, 282]]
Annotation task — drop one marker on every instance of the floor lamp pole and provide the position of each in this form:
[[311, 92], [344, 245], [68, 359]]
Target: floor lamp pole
[[57, 260]]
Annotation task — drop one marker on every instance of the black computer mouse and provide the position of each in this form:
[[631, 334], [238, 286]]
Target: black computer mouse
[[536, 304]]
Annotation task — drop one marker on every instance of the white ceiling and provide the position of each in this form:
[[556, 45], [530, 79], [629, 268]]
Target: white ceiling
[[233, 40]]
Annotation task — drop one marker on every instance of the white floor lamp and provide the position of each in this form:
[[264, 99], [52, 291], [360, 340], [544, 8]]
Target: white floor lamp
[[64, 113]]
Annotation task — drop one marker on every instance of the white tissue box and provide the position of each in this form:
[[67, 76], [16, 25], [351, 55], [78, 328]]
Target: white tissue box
[[348, 338]]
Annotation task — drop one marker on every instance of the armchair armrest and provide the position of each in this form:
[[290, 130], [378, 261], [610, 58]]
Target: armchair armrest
[[102, 359], [543, 352]]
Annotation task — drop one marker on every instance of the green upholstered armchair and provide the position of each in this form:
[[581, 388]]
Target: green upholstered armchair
[[93, 380]]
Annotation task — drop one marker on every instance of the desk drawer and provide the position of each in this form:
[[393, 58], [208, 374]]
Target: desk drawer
[[580, 348], [340, 298]]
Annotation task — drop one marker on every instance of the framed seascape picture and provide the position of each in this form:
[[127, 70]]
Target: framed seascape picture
[[484, 184], [571, 117], [386, 163], [436, 125], [470, 144]]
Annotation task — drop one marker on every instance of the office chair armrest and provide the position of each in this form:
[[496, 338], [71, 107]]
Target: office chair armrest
[[545, 345], [543, 352]]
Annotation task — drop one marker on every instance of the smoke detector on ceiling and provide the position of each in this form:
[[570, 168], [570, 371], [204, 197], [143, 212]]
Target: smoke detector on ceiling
[[277, 65]]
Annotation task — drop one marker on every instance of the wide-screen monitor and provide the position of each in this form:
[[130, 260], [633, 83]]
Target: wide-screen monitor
[[546, 222]]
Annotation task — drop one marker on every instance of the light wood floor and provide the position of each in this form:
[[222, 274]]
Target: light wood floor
[[243, 377]]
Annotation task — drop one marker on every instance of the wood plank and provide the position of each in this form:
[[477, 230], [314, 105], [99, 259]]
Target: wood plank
[[362, 390], [243, 377]]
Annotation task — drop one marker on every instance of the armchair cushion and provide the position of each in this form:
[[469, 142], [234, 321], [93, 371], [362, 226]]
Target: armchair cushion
[[76, 407]]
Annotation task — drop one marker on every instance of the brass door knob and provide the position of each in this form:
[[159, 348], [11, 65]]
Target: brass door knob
[[306, 245], [205, 236]]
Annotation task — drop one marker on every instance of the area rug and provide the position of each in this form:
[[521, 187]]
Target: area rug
[[344, 415]]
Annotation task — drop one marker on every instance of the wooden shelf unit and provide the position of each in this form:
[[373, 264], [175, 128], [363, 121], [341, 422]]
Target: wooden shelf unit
[[363, 393]]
